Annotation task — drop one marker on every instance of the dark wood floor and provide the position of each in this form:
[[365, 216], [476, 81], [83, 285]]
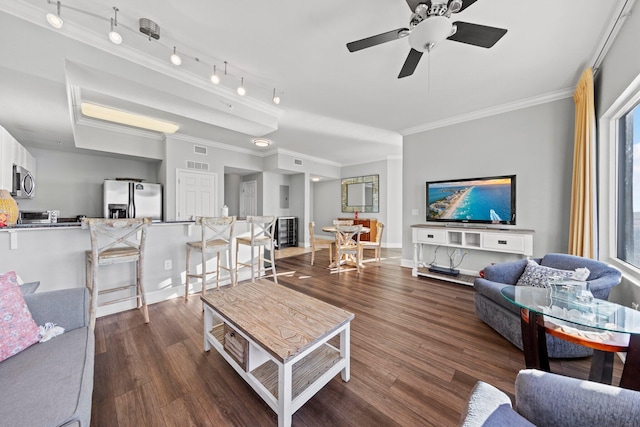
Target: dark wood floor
[[417, 349]]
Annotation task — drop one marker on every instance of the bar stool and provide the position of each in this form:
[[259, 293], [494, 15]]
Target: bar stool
[[319, 243], [260, 236], [114, 241], [217, 237]]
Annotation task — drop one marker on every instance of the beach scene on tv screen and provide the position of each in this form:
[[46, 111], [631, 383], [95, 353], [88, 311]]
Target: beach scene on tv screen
[[474, 200]]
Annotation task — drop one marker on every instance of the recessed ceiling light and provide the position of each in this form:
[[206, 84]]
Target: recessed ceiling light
[[315, 179], [261, 142], [126, 118]]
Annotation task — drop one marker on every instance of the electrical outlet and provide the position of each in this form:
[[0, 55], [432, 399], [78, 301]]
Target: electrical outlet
[[167, 264], [415, 212]]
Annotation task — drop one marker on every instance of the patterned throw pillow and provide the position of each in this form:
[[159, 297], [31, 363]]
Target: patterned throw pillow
[[538, 275], [17, 328]]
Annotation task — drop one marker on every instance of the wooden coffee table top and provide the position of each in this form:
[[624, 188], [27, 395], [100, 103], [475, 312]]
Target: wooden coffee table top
[[282, 321]]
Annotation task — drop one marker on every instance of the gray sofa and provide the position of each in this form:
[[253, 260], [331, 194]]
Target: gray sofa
[[546, 399], [493, 309], [51, 383]]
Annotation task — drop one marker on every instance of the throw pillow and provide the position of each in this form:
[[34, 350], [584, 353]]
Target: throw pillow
[[29, 288], [538, 275], [17, 328]]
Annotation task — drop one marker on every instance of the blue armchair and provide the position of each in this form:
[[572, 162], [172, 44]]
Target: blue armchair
[[493, 309], [546, 399]]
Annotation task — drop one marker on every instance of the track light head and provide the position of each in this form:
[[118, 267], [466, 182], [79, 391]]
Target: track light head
[[54, 19], [276, 98], [175, 58], [241, 90], [215, 79]]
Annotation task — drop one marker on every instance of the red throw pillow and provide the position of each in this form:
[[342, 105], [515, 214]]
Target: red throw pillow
[[17, 328]]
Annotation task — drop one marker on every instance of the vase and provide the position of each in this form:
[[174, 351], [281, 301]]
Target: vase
[[8, 209]]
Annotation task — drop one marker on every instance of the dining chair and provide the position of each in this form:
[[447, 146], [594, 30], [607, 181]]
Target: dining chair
[[217, 238], [376, 245], [348, 243], [319, 243], [261, 236], [115, 241], [342, 222]]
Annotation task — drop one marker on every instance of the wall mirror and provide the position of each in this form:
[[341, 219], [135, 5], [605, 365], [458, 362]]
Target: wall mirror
[[361, 194]]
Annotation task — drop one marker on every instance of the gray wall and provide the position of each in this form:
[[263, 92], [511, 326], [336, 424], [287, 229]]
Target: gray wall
[[535, 143], [71, 182], [232, 193], [327, 198]]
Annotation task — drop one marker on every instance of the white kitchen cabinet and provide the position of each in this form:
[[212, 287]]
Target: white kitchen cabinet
[[13, 153], [7, 154]]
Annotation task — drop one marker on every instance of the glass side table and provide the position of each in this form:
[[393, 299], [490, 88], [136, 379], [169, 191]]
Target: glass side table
[[565, 311]]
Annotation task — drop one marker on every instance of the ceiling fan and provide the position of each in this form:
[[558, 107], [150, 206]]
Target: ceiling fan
[[430, 23]]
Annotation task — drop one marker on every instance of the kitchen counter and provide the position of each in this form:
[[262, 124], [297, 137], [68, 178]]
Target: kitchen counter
[[76, 224]]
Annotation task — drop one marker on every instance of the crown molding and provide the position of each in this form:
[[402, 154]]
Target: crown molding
[[491, 111]]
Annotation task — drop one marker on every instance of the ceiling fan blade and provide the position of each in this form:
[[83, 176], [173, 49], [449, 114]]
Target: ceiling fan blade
[[410, 63], [414, 3], [477, 35], [466, 4], [375, 40]]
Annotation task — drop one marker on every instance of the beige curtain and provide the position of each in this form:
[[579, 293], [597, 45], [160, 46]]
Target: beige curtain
[[582, 225]]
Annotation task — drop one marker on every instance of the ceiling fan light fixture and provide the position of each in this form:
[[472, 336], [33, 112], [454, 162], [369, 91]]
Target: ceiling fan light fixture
[[430, 32], [54, 19], [175, 58]]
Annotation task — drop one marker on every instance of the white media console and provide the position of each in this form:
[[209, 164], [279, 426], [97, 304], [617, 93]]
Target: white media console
[[512, 241]]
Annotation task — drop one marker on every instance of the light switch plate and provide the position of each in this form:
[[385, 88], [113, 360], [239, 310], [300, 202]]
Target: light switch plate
[[415, 212]]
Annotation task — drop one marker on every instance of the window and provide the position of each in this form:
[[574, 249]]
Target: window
[[628, 232]]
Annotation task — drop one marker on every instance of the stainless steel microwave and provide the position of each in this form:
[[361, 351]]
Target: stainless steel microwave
[[24, 183]]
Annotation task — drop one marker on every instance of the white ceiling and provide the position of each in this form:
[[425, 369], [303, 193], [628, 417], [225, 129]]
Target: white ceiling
[[344, 107]]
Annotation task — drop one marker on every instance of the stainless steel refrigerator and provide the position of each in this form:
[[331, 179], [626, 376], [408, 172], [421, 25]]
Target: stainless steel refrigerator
[[131, 199]]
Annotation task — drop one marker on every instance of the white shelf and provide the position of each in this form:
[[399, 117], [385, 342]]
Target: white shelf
[[512, 241]]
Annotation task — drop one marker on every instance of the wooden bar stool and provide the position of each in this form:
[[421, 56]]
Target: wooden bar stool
[[217, 237], [319, 243], [377, 245], [261, 237], [114, 241]]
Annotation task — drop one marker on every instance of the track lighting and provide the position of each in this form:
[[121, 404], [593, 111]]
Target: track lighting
[[241, 90], [152, 30], [215, 79], [55, 20], [114, 35], [175, 58], [276, 98]]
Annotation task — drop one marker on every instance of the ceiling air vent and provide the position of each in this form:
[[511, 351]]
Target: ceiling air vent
[[198, 149], [199, 166], [297, 162]]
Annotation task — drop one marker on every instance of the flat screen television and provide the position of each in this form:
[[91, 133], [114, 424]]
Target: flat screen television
[[488, 200]]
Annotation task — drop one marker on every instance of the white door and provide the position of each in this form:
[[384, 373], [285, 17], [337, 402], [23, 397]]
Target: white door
[[249, 199], [195, 195]]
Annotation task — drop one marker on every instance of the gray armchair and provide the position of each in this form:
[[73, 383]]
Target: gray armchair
[[546, 399], [493, 309]]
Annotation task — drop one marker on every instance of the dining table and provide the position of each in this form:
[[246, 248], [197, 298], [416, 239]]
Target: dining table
[[348, 259]]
